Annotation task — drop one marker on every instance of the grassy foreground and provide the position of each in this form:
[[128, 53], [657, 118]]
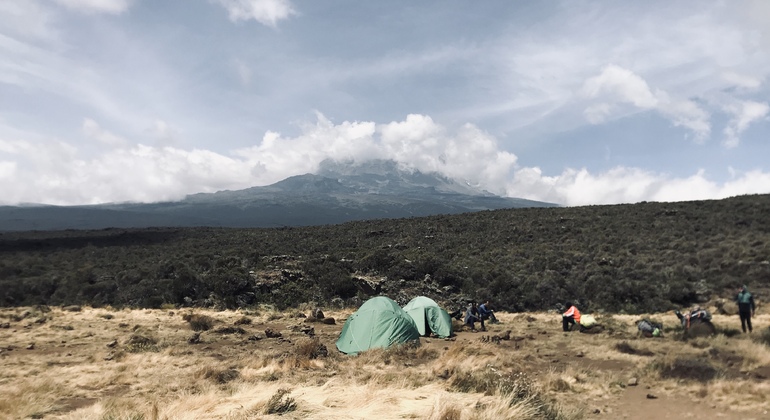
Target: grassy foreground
[[153, 364]]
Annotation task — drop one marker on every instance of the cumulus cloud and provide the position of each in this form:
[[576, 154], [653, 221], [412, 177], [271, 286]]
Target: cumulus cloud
[[56, 172], [744, 113], [575, 187], [618, 85], [266, 12], [621, 83], [114, 7]]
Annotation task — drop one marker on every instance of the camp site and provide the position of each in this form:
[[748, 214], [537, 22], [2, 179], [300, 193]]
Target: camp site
[[365, 320]]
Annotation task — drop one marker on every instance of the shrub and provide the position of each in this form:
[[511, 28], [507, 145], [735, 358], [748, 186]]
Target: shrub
[[277, 404], [221, 376], [199, 322]]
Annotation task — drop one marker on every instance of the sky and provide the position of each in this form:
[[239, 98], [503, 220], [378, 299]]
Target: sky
[[572, 102]]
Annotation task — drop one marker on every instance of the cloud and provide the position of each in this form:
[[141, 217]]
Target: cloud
[[266, 12], [27, 19], [742, 80], [93, 131], [56, 172], [616, 85], [744, 113], [622, 84], [630, 185], [114, 7]]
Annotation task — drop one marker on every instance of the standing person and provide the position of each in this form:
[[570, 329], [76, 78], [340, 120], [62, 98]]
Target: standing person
[[471, 316], [570, 317], [746, 307], [486, 313]]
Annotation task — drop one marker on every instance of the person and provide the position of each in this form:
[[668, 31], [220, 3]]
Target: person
[[486, 313], [472, 316], [458, 314], [570, 317], [695, 314], [746, 307]]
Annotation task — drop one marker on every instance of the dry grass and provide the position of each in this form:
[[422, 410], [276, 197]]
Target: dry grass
[[123, 364]]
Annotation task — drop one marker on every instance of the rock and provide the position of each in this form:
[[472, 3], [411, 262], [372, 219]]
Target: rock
[[254, 338], [269, 333], [652, 397], [112, 343], [31, 346], [5, 325], [579, 354], [597, 411], [328, 321], [633, 382], [71, 308], [195, 338], [318, 313]]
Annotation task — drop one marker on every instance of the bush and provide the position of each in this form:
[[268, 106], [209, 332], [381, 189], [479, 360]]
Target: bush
[[199, 322]]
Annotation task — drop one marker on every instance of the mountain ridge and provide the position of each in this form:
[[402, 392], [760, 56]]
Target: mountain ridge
[[339, 192]]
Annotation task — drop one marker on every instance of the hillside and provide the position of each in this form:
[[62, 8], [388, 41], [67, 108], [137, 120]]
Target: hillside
[[643, 257]]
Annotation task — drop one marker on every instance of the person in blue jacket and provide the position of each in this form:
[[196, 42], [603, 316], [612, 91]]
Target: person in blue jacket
[[486, 313]]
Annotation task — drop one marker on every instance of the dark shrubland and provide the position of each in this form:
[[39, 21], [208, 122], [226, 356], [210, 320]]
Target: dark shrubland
[[644, 257]]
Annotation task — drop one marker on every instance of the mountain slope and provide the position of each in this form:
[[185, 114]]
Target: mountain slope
[[338, 193]]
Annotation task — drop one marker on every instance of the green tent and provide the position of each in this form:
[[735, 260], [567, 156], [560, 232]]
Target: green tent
[[379, 322], [429, 317]]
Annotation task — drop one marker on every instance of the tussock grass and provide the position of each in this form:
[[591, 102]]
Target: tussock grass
[[231, 377]]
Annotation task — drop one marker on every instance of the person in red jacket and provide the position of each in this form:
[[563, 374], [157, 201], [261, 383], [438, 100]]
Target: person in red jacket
[[570, 317]]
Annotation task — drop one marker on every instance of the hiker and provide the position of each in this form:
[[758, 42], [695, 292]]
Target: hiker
[[746, 307], [472, 316], [486, 313], [696, 313], [570, 317]]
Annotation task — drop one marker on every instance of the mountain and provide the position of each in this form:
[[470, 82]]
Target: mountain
[[337, 193]]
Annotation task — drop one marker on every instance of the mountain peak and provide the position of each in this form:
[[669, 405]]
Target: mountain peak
[[390, 177]]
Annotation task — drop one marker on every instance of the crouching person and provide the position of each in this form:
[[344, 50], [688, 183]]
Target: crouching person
[[570, 317], [486, 313], [472, 316]]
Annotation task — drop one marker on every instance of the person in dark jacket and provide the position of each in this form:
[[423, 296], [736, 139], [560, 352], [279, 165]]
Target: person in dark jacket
[[472, 316], [746, 307], [486, 313]]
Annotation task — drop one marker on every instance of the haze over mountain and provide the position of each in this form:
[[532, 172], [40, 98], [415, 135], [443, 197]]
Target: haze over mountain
[[337, 193]]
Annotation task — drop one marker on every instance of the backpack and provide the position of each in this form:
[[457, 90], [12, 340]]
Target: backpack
[[647, 326]]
